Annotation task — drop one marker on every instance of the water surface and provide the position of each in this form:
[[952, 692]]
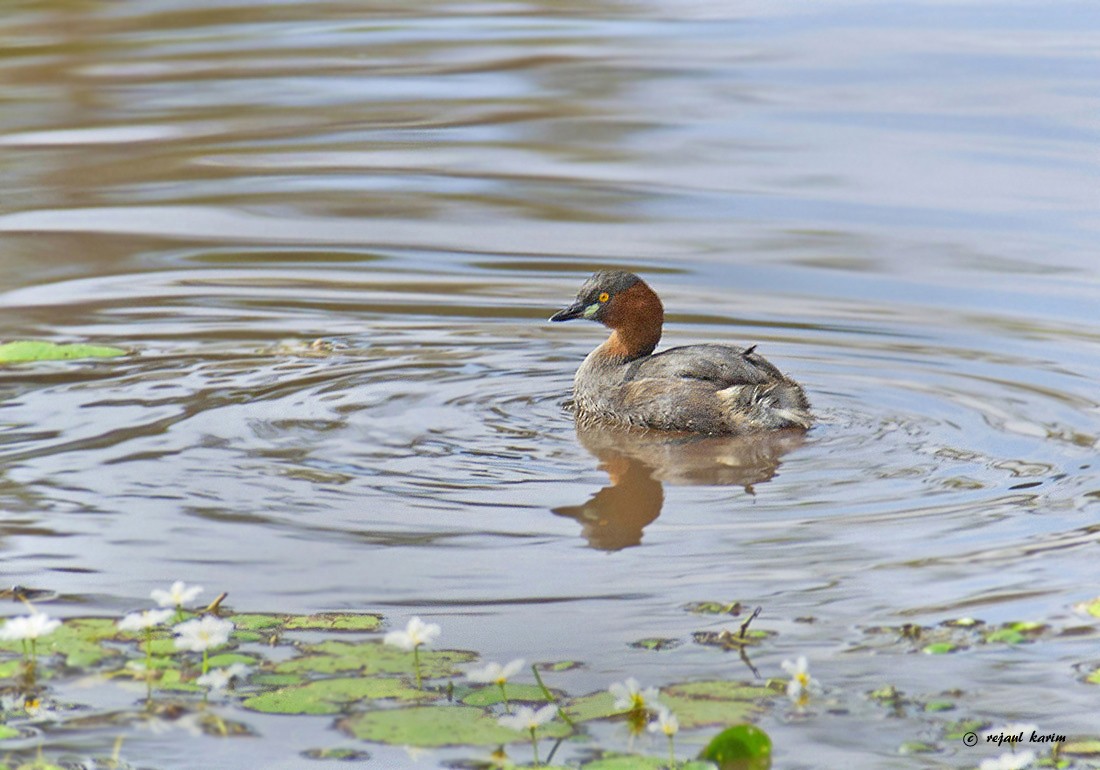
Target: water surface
[[897, 204]]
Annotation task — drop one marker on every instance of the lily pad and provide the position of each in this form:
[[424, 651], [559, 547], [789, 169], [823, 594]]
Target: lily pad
[[334, 621], [637, 762], [939, 648], [37, 350], [715, 608], [434, 726], [7, 731], [373, 657], [656, 644], [729, 639], [745, 747], [257, 621], [695, 704], [78, 639], [490, 695], [340, 755], [331, 696], [1083, 748]]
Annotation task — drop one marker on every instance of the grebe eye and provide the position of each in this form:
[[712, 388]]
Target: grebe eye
[[604, 296]]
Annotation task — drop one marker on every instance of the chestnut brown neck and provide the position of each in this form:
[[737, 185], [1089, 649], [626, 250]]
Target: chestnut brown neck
[[635, 317]]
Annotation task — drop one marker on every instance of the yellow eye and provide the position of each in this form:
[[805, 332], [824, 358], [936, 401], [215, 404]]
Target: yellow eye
[[604, 296]]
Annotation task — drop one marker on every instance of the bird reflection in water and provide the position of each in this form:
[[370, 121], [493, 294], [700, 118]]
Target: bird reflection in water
[[639, 463]]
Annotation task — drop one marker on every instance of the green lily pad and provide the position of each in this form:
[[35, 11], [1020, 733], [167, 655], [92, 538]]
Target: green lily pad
[[7, 731], [745, 747], [172, 679], [257, 621], [340, 755], [954, 731], [1091, 607], [36, 350], [229, 658], [373, 657], [264, 679], [78, 639], [695, 704], [656, 644], [715, 608], [637, 762], [11, 668], [334, 621], [1085, 748], [490, 695], [560, 665], [331, 696], [939, 705], [434, 726], [939, 648], [731, 639]]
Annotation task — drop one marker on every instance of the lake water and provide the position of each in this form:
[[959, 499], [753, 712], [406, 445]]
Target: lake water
[[898, 203]]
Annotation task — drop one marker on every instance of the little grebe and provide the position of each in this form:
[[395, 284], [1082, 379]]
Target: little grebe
[[696, 388]]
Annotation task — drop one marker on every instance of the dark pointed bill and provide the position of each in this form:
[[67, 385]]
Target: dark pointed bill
[[576, 310]]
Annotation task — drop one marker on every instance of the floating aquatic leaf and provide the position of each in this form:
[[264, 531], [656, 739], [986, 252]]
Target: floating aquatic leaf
[[561, 665], [331, 696], [432, 726], [731, 639], [939, 705], [372, 657], [939, 648], [334, 621], [954, 731], [715, 608], [1091, 607], [656, 644], [229, 658], [638, 762], [36, 350], [78, 639], [340, 755], [490, 695], [257, 621], [7, 731], [741, 747], [1089, 747], [695, 704]]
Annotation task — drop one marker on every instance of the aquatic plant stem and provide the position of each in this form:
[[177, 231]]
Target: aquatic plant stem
[[550, 698], [504, 695], [416, 665], [671, 754], [535, 747], [205, 662]]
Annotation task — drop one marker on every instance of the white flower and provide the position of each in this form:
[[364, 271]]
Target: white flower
[[219, 678], [666, 723], [137, 621], [496, 673], [1008, 761], [201, 634], [31, 626], [416, 633], [526, 718], [630, 697], [802, 685], [178, 595]]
